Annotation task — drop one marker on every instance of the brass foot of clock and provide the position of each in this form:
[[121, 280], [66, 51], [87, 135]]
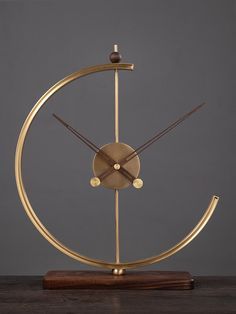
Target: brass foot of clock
[[115, 166]]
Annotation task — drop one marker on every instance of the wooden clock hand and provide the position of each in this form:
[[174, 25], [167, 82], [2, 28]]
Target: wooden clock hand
[[159, 135], [151, 141], [97, 150]]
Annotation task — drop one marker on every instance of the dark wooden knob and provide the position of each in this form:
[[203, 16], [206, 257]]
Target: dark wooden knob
[[115, 57]]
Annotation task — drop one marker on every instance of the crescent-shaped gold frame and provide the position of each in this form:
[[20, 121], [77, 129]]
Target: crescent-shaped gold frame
[[34, 218]]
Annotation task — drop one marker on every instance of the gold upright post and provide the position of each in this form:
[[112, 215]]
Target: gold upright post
[[117, 226], [117, 140], [116, 101]]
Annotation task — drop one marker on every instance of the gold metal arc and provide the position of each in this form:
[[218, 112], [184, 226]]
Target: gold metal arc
[[36, 221]]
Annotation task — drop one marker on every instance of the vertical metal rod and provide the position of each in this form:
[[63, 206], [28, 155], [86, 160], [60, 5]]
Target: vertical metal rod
[[116, 107], [117, 140], [117, 226]]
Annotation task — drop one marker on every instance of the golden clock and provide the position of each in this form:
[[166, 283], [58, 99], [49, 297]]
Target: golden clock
[[115, 166]]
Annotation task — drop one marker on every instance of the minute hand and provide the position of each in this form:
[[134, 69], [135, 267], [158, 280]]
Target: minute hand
[[151, 141]]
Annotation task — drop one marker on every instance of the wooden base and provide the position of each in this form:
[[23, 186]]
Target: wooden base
[[166, 280]]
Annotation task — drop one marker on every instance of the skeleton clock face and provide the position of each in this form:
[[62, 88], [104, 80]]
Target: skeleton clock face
[[115, 166]]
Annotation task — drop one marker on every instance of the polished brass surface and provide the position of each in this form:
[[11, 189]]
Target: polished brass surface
[[116, 166], [36, 221], [117, 228], [117, 151], [118, 272], [95, 181], [116, 107], [138, 183]]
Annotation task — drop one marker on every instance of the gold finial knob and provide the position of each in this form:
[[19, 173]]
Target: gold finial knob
[[95, 181], [138, 183]]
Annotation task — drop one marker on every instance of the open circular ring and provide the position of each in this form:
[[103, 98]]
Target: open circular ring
[[34, 218]]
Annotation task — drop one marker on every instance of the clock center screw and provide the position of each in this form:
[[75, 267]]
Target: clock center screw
[[116, 166]]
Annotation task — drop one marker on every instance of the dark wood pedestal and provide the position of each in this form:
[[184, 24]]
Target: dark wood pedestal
[[166, 280]]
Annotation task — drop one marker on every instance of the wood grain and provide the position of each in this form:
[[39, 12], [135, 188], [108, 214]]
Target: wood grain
[[169, 280]]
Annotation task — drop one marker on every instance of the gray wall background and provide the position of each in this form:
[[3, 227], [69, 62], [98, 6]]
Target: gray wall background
[[184, 53]]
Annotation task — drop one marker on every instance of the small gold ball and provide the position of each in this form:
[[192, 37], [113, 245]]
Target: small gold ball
[[95, 181], [116, 166], [138, 183], [118, 272]]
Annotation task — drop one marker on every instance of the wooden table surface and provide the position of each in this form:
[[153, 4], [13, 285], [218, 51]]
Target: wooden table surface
[[25, 295]]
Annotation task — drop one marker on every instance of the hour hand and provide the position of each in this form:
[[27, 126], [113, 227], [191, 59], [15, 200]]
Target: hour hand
[[110, 161]]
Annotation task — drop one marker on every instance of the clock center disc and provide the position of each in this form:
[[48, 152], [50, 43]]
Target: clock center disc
[[116, 151]]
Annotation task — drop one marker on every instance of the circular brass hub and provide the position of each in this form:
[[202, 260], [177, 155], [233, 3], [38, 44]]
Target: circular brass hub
[[116, 151]]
